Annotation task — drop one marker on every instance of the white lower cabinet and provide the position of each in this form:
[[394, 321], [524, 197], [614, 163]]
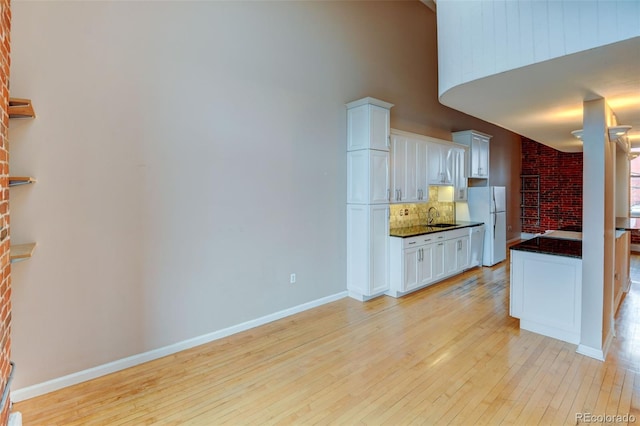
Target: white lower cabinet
[[456, 255], [417, 262], [367, 250]]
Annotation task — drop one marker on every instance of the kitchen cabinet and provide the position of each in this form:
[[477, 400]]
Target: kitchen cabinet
[[440, 164], [545, 293], [408, 170], [367, 250], [476, 245], [368, 177], [417, 262], [456, 255], [478, 154], [460, 175], [413, 261], [368, 124], [368, 193]]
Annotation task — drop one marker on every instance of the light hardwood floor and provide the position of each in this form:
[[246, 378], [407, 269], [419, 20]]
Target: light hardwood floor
[[449, 354]]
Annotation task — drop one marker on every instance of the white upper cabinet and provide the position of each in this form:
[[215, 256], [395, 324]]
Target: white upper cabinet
[[368, 177], [460, 175], [408, 165], [440, 164], [478, 158], [368, 124]]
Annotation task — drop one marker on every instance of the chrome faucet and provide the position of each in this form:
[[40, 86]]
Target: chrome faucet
[[430, 216]]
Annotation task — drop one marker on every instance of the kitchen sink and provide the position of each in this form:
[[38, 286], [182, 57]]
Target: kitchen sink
[[442, 225]]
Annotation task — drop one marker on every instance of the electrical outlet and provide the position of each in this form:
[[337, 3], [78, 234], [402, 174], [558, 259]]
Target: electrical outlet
[[292, 279], [406, 212]]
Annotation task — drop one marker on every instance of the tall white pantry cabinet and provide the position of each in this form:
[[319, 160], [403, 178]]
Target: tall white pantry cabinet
[[368, 194]]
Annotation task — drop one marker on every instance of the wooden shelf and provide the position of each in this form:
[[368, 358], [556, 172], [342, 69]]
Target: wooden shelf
[[21, 108], [20, 180], [21, 252]]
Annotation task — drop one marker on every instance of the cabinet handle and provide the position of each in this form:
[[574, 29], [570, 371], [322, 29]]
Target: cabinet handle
[[388, 141], [400, 191], [421, 255], [413, 242], [388, 194]]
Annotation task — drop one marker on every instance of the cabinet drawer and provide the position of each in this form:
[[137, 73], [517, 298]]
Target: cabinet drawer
[[412, 242], [421, 240], [456, 233]]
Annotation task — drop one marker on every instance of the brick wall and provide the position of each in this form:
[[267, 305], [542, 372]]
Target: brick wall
[[560, 187], [5, 265]]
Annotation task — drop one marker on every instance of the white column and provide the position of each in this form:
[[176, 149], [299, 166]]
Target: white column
[[598, 230]]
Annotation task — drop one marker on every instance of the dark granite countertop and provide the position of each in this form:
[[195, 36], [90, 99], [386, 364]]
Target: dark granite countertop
[[413, 231], [628, 223], [553, 246], [622, 224]]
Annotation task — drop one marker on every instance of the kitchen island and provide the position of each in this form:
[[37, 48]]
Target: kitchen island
[[546, 282], [546, 285]]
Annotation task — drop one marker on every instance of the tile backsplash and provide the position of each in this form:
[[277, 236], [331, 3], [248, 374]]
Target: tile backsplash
[[403, 215]]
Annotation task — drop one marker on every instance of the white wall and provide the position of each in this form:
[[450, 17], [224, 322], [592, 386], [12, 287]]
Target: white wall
[[502, 35], [189, 157]]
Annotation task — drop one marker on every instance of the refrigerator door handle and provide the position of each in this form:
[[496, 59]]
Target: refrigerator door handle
[[493, 197], [494, 228]]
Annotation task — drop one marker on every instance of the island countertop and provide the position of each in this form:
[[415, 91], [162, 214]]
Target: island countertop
[[552, 246], [628, 223]]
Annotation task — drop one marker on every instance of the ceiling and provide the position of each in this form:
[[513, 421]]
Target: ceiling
[[543, 101]]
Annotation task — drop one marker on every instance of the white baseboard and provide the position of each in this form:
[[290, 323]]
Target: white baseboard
[[591, 352], [608, 341], [111, 367], [15, 419]]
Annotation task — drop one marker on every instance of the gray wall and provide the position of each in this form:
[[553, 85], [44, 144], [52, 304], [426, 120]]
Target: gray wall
[[190, 156]]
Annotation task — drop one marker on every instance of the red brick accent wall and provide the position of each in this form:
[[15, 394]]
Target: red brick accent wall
[[560, 186], [5, 263]]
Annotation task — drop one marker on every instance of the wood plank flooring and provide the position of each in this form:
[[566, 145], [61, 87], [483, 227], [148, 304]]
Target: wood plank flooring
[[449, 354]]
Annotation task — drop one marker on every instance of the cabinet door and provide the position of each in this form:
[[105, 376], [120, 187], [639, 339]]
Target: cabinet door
[[434, 164], [367, 177], [479, 156], [379, 243], [450, 257], [411, 266], [379, 177], [460, 178], [426, 264], [447, 164], [411, 191], [421, 171], [398, 168], [380, 127], [438, 260], [440, 164], [462, 255], [407, 158], [368, 128]]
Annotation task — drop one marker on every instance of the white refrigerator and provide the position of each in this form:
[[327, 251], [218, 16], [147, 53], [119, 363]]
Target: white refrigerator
[[488, 204]]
